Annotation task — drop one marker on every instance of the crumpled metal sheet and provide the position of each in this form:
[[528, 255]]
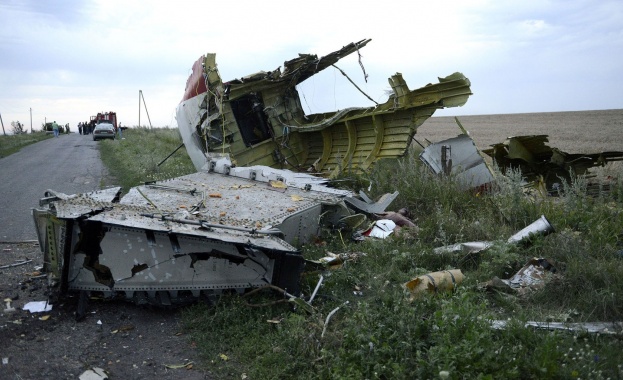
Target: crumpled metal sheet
[[462, 160]]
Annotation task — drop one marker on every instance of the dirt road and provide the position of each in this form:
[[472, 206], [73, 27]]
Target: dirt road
[[127, 341]]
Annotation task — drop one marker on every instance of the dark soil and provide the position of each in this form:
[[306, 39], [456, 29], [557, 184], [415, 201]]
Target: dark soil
[[125, 340]]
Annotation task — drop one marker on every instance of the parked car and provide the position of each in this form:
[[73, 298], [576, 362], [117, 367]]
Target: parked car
[[104, 131]]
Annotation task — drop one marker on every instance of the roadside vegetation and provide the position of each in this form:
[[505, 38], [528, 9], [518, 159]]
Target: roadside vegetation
[[135, 159], [10, 144], [377, 333]]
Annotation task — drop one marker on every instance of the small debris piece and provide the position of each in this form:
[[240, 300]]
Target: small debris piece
[[16, 264], [178, 366], [38, 306], [9, 308], [296, 198], [277, 184], [5, 361], [222, 214], [44, 318], [381, 229], [223, 357], [443, 281], [215, 195], [326, 321], [95, 373], [532, 276]]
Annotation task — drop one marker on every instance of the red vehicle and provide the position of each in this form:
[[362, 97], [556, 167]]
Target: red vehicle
[[105, 117]]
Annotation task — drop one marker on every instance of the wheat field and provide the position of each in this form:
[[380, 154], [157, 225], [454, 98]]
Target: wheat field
[[572, 132]]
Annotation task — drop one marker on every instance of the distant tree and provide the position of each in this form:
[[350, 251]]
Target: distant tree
[[17, 127]]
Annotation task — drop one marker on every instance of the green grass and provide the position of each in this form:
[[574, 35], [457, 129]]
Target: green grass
[[135, 159], [10, 144], [377, 333]]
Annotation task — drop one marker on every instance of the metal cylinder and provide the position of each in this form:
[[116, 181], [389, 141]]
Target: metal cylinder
[[541, 226]]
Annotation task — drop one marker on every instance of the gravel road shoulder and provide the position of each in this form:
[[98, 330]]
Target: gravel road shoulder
[[126, 340]]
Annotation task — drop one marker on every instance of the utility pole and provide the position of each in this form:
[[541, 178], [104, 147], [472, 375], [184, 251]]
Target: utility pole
[[1, 122], [31, 120], [140, 95]]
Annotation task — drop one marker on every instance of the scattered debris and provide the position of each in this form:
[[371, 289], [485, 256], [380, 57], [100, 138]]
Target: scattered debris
[[38, 306], [532, 276], [604, 328], [311, 299], [94, 373], [326, 321], [295, 301], [443, 281], [335, 261], [543, 166], [380, 229], [187, 365], [540, 226], [5, 361], [16, 264]]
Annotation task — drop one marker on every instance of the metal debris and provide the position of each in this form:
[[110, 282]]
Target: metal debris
[[443, 281], [38, 306], [542, 165], [94, 373], [540, 226], [458, 157], [604, 328], [259, 120], [532, 276]]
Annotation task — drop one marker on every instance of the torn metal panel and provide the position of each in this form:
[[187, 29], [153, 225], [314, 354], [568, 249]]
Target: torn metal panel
[[540, 163], [259, 120], [197, 234], [460, 158]]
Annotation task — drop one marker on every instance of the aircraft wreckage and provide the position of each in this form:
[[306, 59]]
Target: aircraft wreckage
[[236, 223]]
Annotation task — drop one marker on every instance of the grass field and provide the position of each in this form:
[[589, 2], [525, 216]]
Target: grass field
[[377, 333], [10, 144]]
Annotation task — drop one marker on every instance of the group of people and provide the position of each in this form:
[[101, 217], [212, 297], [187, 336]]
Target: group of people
[[86, 128]]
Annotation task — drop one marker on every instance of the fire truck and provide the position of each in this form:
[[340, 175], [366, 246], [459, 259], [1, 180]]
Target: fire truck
[[108, 117]]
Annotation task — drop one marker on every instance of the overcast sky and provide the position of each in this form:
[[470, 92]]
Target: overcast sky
[[68, 60]]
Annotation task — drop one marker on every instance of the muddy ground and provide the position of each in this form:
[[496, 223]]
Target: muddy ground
[[127, 341]]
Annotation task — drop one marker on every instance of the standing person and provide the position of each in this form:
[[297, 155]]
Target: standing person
[[80, 128], [120, 133], [55, 128]]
